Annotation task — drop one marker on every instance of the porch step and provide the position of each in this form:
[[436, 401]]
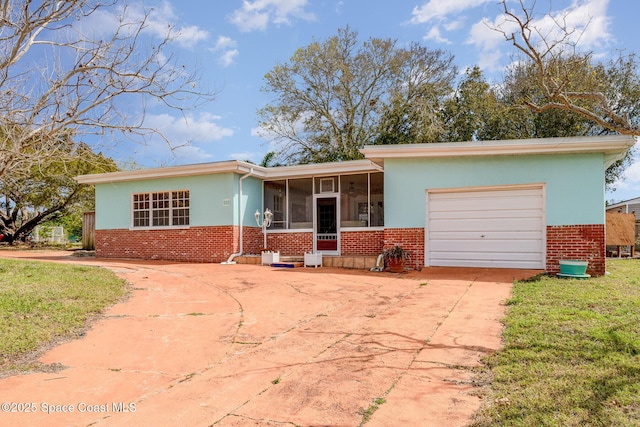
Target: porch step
[[350, 261]]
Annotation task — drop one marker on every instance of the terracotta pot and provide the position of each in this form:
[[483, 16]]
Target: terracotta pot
[[396, 265]]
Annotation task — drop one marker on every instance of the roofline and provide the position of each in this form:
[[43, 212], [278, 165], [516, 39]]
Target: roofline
[[333, 168], [613, 146], [232, 166], [635, 200]]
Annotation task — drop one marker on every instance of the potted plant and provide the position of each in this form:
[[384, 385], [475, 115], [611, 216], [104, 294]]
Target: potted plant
[[395, 258]]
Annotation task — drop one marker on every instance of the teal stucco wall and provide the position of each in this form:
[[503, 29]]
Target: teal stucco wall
[[213, 199], [574, 184]]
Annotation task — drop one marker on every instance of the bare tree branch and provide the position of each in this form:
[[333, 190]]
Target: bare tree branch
[[561, 72], [57, 77]]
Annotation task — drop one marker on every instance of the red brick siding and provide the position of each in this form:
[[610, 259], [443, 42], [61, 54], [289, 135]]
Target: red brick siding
[[252, 240], [194, 244], [576, 242], [361, 242], [289, 244], [411, 239]]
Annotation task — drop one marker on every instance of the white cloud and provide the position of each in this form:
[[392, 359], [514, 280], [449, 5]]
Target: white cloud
[[255, 157], [163, 18], [202, 128], [435, 35], [440, 9], [228, 57], [187, 140], [187, 154], [257, 15], [483, 35], [226, 47], [190, 36], [160, 22], [586, 20], [631, 177], [224, 42], [453, 25]]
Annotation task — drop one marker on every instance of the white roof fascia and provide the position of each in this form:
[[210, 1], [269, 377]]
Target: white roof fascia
[[233, 166], [316, 169], [613, 146]]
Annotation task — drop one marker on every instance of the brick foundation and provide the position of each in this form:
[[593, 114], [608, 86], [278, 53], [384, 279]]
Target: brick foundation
[[194, 244], [369, 242], [411, 239], [290, 244], [252, 240], [577, 242], [361, 243], [216, 244]]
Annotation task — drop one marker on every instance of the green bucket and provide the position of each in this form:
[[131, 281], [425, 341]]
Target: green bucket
[[573, 268]]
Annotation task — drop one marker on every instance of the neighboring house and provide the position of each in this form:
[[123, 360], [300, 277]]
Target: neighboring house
[[510, 204], [628, 206]]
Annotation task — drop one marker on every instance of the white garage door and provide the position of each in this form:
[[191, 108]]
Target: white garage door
[[499, 228]]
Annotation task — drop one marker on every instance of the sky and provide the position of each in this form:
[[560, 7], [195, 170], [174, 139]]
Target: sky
[[234, 43]]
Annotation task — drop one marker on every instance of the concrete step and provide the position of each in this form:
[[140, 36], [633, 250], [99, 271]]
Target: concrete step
[[350, 261]]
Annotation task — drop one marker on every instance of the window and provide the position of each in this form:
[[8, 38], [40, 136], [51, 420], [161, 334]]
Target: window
[[376, 199], [326, 185], [163, 209], [180, 204], [160, 209], [354, 200], [275, 193], [141, 210], [301, 203]]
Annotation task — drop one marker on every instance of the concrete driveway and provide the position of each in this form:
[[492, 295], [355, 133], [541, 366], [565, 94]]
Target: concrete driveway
[[238, 345]]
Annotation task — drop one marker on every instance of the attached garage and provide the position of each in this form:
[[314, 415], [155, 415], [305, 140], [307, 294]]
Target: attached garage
[[500, 227]]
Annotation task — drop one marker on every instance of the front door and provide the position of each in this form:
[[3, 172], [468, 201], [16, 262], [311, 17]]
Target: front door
[[326, 225]]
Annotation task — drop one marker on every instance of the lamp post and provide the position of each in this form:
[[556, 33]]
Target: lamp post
[[266, 222]]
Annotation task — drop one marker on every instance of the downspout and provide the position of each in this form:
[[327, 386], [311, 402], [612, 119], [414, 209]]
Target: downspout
[[232, 256], [379, 267]]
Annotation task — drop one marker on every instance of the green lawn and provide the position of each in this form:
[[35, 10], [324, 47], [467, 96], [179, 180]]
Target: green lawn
[[571, 353], [43, 302]]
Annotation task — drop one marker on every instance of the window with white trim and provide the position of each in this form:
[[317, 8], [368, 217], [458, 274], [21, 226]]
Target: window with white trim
[[161, 209]]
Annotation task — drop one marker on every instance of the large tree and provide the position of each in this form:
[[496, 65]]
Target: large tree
[[472, 112], [81, 66], [335, 96], [41, 193]]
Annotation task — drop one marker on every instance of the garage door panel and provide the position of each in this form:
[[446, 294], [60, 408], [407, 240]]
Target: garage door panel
[[489, 228], [515, 213], [495, 194], [486, 204], [495, 246], [492, 235], [532, 265], [489, 256], [489, 224]]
